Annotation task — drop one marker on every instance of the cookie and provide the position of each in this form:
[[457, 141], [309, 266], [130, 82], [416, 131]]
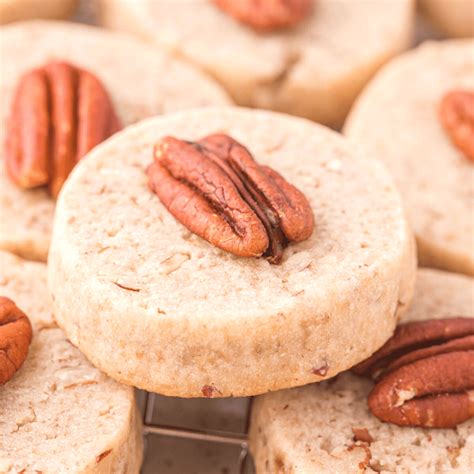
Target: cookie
[[398, 118], [453, 17], [141, 80], [313, 69], [16, 10], [312, 429], [176, 315], [60, 414]]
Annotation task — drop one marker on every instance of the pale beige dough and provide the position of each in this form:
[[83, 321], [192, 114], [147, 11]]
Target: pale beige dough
[[452, 17], [396, 118], [17, 10], [194, 316], [142, 81], [309, 430], [314, 70], [58, 414]]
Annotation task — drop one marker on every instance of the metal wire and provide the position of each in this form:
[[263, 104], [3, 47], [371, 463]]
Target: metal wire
[[208, 435]]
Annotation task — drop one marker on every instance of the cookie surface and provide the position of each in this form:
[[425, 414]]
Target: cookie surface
[[58, 413], [314, 69], [141, 80], [309, 430], [452, 17], [17, 10], [396, 118], [184, 318]]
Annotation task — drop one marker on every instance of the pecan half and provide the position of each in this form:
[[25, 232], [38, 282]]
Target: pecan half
[[218, 191], [425, 374], [456, 113], [266, 15], [15, 338], [59, 113]]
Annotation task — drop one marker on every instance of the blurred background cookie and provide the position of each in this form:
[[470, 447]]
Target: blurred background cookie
[[139, 79], [452, 17], [185, 318], [417, 117], [58, 413], [313, 68], [327, 427], [17, 10]]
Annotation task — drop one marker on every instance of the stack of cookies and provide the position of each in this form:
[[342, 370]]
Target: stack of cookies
[[155, 234]]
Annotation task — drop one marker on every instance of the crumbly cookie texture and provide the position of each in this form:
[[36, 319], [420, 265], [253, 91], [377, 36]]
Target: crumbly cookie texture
[[142, 81], [315, 69], [310, 429], [452, 17], [396, 118], [58, 413], [18, 10], [187, 319]]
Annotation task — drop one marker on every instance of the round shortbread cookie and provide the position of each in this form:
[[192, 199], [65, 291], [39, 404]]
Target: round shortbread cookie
[[314, 70], [173, 314], [16, 10], [396, 118], [452, 17], [58, 413], [309, 430], [142, 81]]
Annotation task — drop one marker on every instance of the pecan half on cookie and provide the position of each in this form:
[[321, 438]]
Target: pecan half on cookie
[[456, 113], [425, 374], [15, 338], [266, 15], [59, 113], [217, 190]]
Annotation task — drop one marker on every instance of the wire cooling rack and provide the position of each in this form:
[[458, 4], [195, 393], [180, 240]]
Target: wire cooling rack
[[215, 430]]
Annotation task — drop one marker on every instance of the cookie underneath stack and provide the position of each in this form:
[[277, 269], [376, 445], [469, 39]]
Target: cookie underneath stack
[[310, 429], [16, 10], [314, 69], [397, 119], [452, 17], [58, 413]]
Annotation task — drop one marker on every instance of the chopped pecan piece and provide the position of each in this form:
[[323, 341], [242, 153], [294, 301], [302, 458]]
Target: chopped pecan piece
[[218, 191], [210, 391], [59, 113], [362, 435], [102, 456], [322, 370], [425, 374], [15, 338], [266, 15], [456, 113]]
